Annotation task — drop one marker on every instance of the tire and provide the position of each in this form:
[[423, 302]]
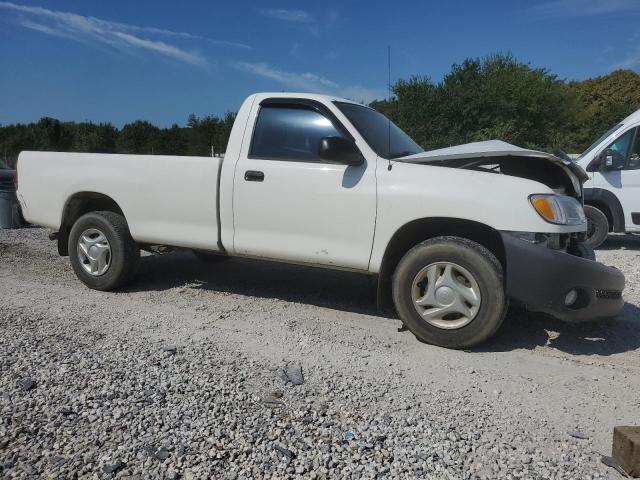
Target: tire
[[597, 226], [210, 257], [470, 261], [123, 257]]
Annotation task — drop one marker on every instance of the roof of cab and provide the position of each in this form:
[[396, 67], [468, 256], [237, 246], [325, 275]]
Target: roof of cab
[[311, 96]]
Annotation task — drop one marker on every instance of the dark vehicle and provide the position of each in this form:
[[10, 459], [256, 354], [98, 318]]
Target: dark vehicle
[[10, 215], [7, 178]]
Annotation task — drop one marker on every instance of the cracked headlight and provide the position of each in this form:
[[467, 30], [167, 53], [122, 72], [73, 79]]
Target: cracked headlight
[[558, 209]]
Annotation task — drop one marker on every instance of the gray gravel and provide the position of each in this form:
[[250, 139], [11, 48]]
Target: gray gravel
[[176, 377]]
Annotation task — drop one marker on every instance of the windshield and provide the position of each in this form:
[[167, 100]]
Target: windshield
[[382, 135], [4, 166], [600, 140]]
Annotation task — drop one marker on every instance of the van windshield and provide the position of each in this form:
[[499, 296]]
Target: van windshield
[[382, 135], [600, 140]]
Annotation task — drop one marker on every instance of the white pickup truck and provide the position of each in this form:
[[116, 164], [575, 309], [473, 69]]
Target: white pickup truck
[[451, 234]]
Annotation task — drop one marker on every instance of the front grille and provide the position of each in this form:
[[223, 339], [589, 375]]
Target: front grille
[[609, 294]]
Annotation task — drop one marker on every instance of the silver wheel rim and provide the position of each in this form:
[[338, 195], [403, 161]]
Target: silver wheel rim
[[94, 252], [446, 295]]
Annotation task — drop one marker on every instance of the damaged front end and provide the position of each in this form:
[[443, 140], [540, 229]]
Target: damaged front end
[[495, 156], [561, 175], [548, 272]]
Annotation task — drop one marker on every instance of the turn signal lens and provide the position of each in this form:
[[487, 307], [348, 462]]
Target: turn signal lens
[[544, 208], [558, 209]]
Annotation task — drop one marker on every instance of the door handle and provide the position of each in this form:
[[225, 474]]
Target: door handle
[[253, 176]]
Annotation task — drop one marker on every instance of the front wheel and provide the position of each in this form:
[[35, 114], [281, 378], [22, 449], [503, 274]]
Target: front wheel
[[449, 291], [102, 253]]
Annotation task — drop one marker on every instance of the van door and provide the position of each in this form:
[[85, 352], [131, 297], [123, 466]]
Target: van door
[[622, 176], [289, 204]]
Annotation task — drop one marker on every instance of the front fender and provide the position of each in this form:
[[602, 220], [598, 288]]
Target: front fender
[[409, 192]]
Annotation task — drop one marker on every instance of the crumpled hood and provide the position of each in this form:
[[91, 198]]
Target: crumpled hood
[[489, 148]]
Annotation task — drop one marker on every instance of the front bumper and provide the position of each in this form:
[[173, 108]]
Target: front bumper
[[541, 278]]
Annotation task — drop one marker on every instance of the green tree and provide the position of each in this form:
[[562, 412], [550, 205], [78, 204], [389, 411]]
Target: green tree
[[170, 141], [137, 137], [604, 101], [51, 135], [209, 132], [482, 99], [95, 138]]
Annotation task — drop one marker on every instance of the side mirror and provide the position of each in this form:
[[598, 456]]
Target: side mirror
[[595, 164], [606, 160], [611, 160], [339, 150]]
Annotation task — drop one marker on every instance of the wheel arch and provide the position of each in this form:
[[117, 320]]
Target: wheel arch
[[609, 204], [416, 231], [77, 205]]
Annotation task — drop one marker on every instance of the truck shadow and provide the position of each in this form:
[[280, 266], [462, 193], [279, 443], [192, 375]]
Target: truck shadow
[[320, 287], [356, 293], [528, 330], [621, 241]]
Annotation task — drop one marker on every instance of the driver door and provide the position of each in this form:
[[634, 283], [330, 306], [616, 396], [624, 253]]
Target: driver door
[[291, 205], [621, 175]]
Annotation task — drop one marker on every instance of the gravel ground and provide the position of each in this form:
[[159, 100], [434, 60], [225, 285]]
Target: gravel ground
[[182, 375]]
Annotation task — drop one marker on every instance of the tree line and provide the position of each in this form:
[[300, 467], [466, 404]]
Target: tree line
[[499, 97], [496, 97], [202, 136]]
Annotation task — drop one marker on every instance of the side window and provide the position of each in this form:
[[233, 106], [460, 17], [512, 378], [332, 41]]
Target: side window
[[290, 133], [620, 148], [634, 157]]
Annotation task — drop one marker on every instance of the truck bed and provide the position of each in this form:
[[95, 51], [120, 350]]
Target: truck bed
[[169, 200]]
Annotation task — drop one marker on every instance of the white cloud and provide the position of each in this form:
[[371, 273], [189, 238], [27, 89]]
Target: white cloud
[[121, 36], [302, 81], [579, 8], [293, 16], [300, 19], [162, 48], [310, 82], [631, 61], [296, 50]]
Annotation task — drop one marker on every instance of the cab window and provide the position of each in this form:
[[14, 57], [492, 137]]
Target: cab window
[[634, 157], [290, 133], [619, 150]]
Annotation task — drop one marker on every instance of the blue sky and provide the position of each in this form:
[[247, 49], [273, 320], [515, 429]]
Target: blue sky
[[120, 60]]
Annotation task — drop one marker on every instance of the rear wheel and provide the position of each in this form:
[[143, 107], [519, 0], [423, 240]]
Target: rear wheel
[[449, 291], [597, 226], [102, 253]]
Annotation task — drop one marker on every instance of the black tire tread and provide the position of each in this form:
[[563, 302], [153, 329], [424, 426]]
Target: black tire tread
[[599, 219], [130, 250], [493, 263]]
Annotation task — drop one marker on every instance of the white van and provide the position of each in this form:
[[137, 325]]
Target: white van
[[612, 193]]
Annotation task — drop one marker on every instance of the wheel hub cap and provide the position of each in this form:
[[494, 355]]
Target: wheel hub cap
[[446, 295], [94, 252]]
